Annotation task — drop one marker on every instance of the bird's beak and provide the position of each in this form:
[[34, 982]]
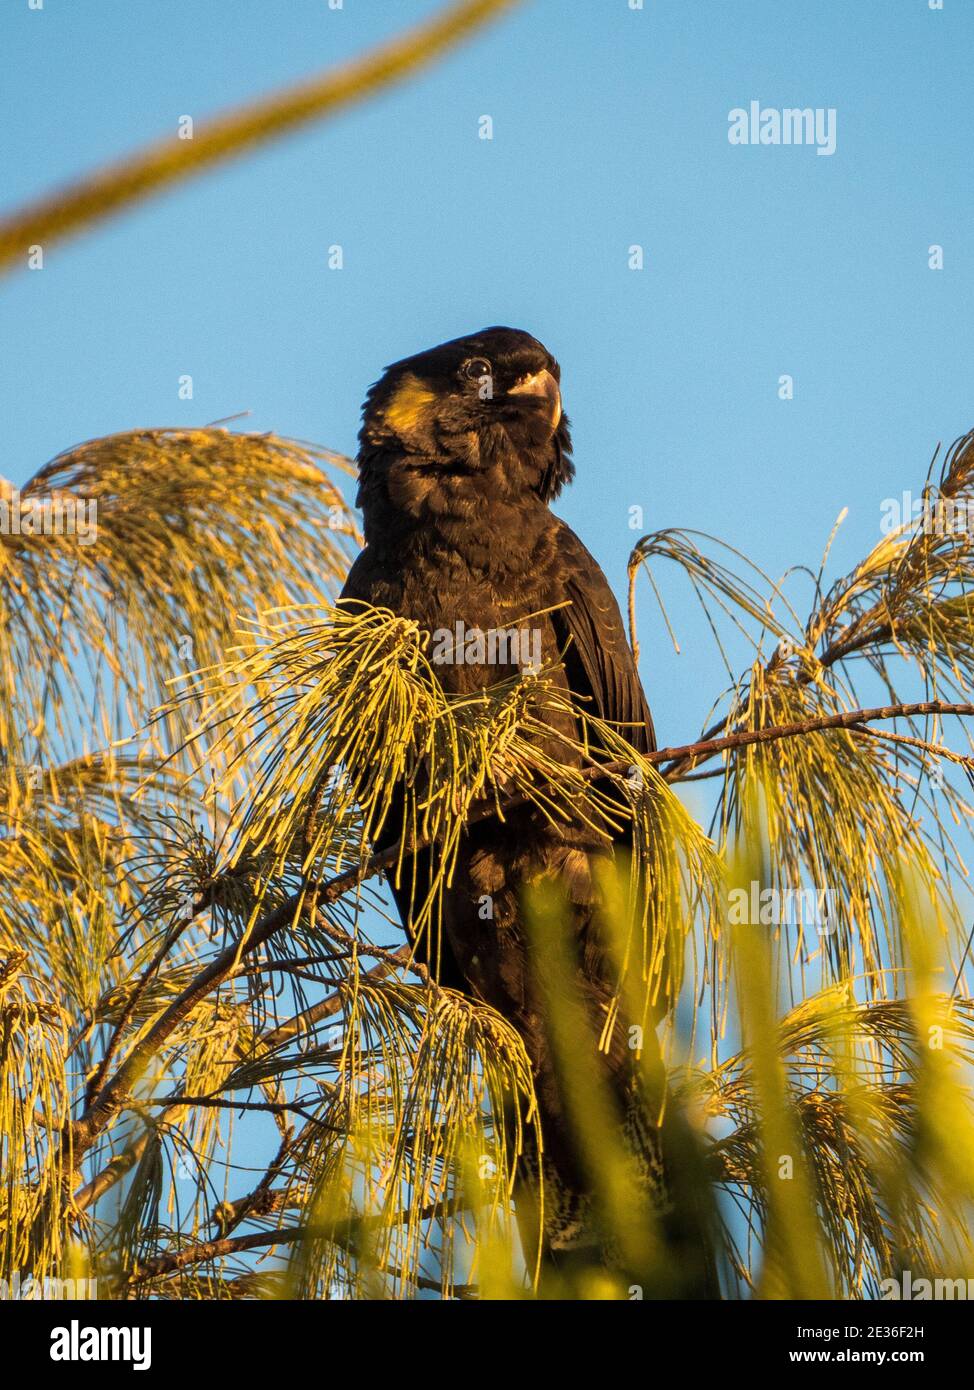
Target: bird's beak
[[541, 384]]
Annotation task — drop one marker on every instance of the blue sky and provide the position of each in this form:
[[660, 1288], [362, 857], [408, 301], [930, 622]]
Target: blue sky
[[610, 129]]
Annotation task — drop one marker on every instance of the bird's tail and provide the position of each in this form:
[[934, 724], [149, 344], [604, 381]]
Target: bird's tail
[[661, 1242]]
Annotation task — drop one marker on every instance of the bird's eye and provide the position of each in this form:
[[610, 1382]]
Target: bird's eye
[[476, 368]]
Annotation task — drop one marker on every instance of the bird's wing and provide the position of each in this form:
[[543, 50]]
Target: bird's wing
[[358, 581], [598, 660]]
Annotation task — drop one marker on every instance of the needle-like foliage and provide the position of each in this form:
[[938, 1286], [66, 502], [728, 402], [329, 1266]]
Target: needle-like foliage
[[224, 1070]]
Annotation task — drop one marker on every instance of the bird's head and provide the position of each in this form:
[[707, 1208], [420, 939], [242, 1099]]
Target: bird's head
[[466, 403]]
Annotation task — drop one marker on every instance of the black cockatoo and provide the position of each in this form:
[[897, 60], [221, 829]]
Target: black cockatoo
[[462, 448]]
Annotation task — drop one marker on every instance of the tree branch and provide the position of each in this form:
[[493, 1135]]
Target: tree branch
[[172, 159], [342, 1233], [849, 719]]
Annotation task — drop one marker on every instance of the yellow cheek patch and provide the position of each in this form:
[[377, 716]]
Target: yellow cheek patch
[[410, 406]]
